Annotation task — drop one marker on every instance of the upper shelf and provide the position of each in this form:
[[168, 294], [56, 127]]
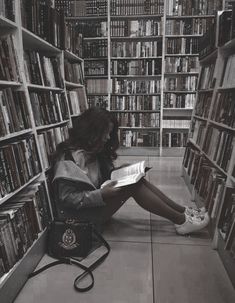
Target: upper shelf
[[4, 22], [32, 41]]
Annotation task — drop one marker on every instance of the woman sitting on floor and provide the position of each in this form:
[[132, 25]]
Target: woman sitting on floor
[[85, 161]]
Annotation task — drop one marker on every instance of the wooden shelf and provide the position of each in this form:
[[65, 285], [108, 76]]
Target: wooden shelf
[[135, 111], [115, 17], [37, 87], [44, 127], [72, 57], [16, 134], [73, 85], [190, 17], [136, 38], [135, 58], [32, 41], [14, 280], [5, 83], [10, 195], [6, 23]]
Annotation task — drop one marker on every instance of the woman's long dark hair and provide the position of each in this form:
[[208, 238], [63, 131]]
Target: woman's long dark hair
[[87, 132]]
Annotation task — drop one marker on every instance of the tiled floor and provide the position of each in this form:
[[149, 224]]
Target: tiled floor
[[148, 262]]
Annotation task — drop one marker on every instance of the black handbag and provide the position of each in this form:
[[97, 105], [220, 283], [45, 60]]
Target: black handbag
[[70, 240]]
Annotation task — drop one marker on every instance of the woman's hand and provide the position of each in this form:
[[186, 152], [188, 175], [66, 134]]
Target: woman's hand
[[109, 190]]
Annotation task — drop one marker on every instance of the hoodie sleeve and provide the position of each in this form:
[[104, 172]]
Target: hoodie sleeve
[[70, 196]]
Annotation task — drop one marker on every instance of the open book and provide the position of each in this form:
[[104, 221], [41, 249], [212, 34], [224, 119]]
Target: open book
[[128, 175]]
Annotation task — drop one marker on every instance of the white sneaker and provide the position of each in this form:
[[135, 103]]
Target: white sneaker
[[192, 224], [190, 211]]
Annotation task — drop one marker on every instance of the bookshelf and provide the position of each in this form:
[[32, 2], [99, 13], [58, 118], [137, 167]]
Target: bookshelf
[[41, 90], [208, 165], [142, 56]]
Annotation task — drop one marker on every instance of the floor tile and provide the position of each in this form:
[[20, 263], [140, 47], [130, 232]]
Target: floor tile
[[185, 273], [130, 223], [131, 282], [167, 164], [163, 231]]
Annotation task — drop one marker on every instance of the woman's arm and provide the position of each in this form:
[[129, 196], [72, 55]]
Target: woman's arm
[[70, 195]]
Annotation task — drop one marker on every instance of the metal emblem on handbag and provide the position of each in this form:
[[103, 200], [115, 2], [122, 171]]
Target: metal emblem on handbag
[[69, 238]]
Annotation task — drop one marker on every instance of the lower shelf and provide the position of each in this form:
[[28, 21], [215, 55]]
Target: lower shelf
[[228, 261], [12, 282]]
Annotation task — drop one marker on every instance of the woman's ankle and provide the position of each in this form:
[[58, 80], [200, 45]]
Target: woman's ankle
[[180, 219]]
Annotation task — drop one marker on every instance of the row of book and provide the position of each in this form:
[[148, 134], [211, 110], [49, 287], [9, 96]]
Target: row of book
[[73, 38], [135, 28], [223, 110], [97, 86], [82, 7], [183, 83], [138, 119], [190, 8], [181, 64], [208, 181], [21, 221], [227, 217], [42, 19], [197, 131], [190, 26], [19, 163], [207, 80], [172, 100], [95, 49], [136, 7], [96, 68], [9, 64], [98, 101], [173, 123], [207, 42], [174, 139], [229, 71], [144, 67], [125, 86], [184, 45], [14, 114], [136, 138], [226, 25], [218, 145], [77, 101], [135, 103], [48, 107], [136, 49], [203, 104], [7, 9], [48, 141], [93, 28], [42, 70], [73, 72]]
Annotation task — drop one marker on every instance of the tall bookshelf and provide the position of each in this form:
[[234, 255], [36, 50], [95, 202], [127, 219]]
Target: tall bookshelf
[[141, 62], [41, 90], [208, 165]]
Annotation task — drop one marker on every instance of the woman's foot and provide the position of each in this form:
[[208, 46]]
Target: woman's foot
[[192, 224]]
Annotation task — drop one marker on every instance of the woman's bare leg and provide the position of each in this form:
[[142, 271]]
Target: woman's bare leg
[[166, 199], [147, 199]]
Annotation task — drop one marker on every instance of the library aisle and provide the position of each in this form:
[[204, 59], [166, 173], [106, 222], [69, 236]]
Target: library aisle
[[148, 262]]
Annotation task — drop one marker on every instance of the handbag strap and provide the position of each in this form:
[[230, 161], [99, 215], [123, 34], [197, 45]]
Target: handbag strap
[[87, 270]]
